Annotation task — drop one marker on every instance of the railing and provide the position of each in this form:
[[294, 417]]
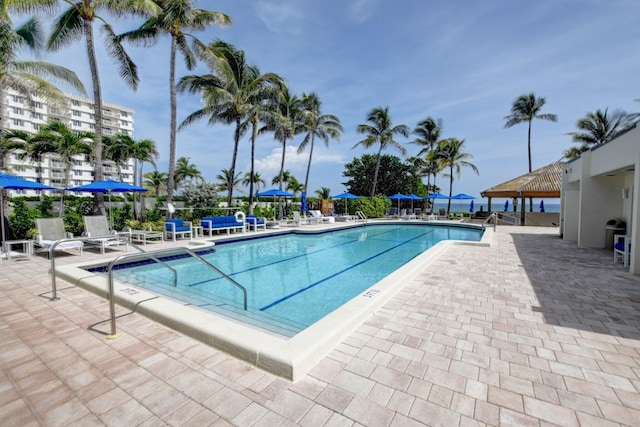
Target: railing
[[153, 255], [361, 217], [54, 245], [494, 217]]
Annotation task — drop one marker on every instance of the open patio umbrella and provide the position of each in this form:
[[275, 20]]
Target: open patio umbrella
[[413, 197], [274, 192], [436, 195], [398, 197], [108, 186], [461, 197], [12, 182], [346, 196]]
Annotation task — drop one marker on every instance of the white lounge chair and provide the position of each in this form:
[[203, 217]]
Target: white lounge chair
[[296, 221], [98, 227], [319, 217], [51, 230]]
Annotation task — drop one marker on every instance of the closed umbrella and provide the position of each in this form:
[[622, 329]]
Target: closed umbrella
[[12, 182], [108, 186], [506, 206], [303, 202], [541, 205], [471, 207]]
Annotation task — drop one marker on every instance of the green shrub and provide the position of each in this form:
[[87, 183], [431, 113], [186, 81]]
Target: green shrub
[[21, 219]]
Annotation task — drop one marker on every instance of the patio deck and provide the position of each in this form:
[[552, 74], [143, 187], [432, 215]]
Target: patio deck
[[531, 331]]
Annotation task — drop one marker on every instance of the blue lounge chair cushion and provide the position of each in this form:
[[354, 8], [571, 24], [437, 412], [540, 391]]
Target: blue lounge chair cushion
[[619, 246], [179, 225], [253, 219], [220, 222]]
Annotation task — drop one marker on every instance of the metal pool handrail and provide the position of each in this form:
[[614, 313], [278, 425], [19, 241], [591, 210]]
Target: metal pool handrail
[[493, 216], [361, 216], [52, 257], [152, 255]]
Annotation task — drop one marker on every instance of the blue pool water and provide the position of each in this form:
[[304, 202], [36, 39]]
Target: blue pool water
[[293, 280]]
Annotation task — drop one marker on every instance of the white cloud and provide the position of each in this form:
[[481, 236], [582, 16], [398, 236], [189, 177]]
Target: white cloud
[[281, 17]]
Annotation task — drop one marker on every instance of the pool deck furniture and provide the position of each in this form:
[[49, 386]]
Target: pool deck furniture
[[254, 222], [27, 247], [621, 249], [141, 236], [321, 218], [97, 226], [52, 229], [210, 224], [177, 227]]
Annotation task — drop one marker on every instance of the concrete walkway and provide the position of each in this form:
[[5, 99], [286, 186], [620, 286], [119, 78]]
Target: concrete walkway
[[532, 331]]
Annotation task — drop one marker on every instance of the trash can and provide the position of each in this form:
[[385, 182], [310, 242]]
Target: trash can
[[614, 226]]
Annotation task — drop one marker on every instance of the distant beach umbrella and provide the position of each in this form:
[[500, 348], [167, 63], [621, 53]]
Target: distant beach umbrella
[[303, 202], [541, 205], [346, 196], [506, 206]]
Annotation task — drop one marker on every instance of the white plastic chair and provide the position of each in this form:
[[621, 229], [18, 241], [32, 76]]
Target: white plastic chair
[[622, 249]]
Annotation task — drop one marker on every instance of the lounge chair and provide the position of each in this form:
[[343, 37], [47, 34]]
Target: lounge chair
[[254, 222], [296, 221], [51, 230], [341, 217], [622, 249], [442, 213], [321, 218], [177, 227], [407, 214], [98, 228]]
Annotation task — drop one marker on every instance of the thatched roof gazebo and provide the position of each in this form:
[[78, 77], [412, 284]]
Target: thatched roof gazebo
[[541, 183]]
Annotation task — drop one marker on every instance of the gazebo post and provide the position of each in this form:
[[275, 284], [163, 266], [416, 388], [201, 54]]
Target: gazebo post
[[489, 207], [522, 209]]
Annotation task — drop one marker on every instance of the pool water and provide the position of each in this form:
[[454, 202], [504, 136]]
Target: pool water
[[294, 280]]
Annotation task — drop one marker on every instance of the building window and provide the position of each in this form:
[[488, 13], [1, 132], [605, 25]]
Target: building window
[[92, 116], [77, 162], [75, 103], [37, 116], [75, 123], [36, 104], [124, 114], [19, 168], [19, 99], [36, 126], [56, 181], [17, 110], [76, 172], [20, 191], [92, 126], [77, 182], [76, 113], [19, 156], [18, 122]]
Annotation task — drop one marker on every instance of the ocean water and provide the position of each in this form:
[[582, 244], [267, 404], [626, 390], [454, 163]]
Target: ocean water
[[457, 206]]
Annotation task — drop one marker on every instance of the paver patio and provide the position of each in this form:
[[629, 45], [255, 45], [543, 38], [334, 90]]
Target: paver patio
[[531, 331]]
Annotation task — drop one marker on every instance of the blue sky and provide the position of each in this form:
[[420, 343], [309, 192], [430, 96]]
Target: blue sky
[[463, 61]]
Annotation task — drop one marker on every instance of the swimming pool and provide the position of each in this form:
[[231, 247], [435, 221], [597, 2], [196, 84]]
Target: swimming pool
[[293, 280], [289, 354]]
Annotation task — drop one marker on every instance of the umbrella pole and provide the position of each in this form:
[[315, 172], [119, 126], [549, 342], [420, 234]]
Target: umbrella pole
[[2, 212]]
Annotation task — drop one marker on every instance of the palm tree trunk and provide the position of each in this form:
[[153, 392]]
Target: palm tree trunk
[[306, 180], [375, 175], [232, 170], [172, 132], [254, 135], [450, 190], [529, 144], [281, 177], [97, 100]]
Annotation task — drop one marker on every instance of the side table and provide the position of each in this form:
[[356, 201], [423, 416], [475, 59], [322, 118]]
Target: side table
[[27, 247]]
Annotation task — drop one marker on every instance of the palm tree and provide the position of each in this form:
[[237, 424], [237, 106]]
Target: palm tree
[[524, 109], [186, 171], [29, 78], [294, 186], [56, 137], [428, 134], [155, 181], [119, 149], [450, 155], [323, 126], [380, 131], [225, 180], [232, 95], [324, 193], [600, 127], [76, 23], [256, 181], [176, 17], [282, 179], [12, 140], [145, 151]]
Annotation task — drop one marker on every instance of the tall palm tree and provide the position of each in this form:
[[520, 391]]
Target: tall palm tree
[[316, 124], [119, 149], [232, 95], [452, 156], [145, 151], [76, 23], [30, 78], [12, 140], [381, 131], [524, 109], [428, 133], [177, 19], [253, 180], [601, 126], [155, 181], [57, 138], [186, 171]]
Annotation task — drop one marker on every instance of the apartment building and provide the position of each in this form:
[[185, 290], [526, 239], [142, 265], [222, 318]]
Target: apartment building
[[19, 113]]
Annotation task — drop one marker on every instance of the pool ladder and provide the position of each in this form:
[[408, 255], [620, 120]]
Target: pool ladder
[[142, 254], [361, 217]]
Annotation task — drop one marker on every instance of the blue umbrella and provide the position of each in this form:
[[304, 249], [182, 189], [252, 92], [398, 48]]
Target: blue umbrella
[[346, 196], [471, 207], [506, 206], [436, 196], [462, 196], [303, 202], [398, 197], [108, 186], [413, 197], [12, 182], [274, 192], [541, 205]]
